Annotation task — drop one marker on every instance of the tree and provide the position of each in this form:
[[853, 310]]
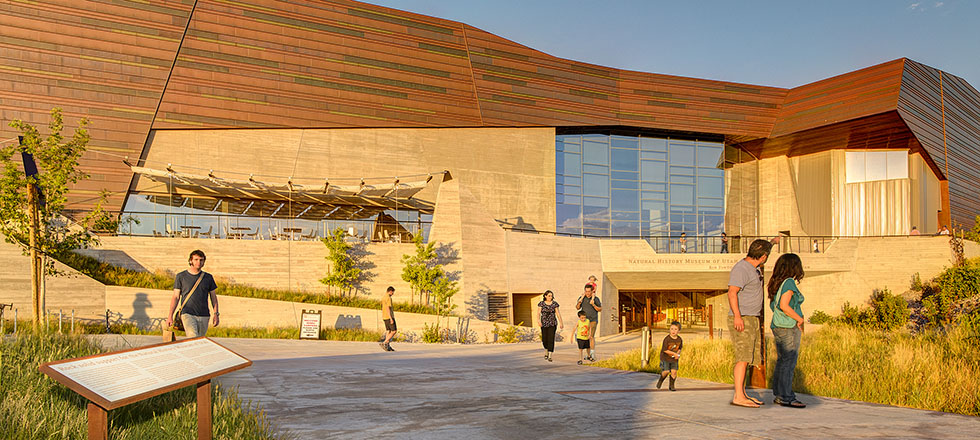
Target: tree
[[343, 271], [443, 290], [57, 162], [974, 234], [418, 271]]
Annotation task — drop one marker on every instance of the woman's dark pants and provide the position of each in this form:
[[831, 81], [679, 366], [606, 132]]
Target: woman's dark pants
[[548, 338]]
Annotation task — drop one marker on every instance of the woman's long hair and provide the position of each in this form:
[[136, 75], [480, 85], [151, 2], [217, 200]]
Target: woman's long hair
[[787, 266]]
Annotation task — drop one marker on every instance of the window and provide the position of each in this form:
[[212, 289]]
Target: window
[[869, 166]]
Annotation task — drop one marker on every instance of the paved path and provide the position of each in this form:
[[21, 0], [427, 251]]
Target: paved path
[[323, 389]]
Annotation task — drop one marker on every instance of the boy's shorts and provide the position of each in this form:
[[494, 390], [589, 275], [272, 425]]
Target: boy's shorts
[[668, 365], [583, 343], [746, 342]]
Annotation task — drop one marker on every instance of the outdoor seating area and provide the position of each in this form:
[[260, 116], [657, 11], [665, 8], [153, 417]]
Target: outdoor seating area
[[370, 233]]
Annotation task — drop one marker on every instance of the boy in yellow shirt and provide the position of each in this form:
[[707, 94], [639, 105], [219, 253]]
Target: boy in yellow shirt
[[582, 333]]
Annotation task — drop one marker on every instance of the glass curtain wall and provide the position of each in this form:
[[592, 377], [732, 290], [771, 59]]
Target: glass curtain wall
[[624, 186]]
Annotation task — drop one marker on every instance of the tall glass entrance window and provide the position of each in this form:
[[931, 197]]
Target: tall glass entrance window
[[623, 186]]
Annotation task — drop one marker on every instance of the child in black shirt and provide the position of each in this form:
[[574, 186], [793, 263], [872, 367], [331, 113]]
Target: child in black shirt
[[670, 353]]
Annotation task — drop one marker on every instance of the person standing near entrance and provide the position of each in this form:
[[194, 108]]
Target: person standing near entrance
[[550, 320], [388, 315], [192, 289], [745, 295], [787, 326], [591, 305]]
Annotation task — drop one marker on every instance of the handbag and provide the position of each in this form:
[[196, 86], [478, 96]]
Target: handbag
[[779, 317], [169, 333]]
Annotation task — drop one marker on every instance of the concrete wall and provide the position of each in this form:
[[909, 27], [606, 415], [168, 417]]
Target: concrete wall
[[149, 307], [69, 291], [511, 171]]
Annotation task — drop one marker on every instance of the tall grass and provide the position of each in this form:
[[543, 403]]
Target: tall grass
[[932, 371], [89, 328], [33, 406], [118, 276]]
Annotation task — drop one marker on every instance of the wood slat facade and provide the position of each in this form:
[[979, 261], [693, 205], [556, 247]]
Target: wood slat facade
[[344, 64]]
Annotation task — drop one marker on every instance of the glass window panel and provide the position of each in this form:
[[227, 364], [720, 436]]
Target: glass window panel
[[595, 137], [680, 217], [569, 215], [570, 190], [653, 144], [559, 145], [569, 180], [711, 187], [684, 171], [595, 152], [854, 163], [711, 225], [594, 223], [598, 169], [626, 160], [898, 165], [654, 195], [682, 179], [596, 232], [625, 200], [596, 185], [569, 230], [617, 215], [625, 175], [682, 208], [653, 186], [653, 155], [599, 202], [709, 210], [711, 203], [654, 211], [625, 184], [708, 155], [681, 154], [677, 228], [624, 142], [572, 164], [573, 200], [651, 171], [875, 165], [570, 147], [711, 172], [626, 229], [681, 194]]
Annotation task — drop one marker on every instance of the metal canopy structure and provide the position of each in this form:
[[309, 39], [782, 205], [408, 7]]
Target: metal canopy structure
[[286, 200]]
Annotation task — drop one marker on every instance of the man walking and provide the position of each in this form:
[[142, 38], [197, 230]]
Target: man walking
[[591, 305], [745, 294], [192, 289], [388, 315]]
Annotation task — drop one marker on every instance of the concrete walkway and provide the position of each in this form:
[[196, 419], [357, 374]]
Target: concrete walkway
[[323, 389]]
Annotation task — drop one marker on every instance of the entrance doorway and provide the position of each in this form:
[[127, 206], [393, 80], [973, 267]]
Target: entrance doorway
[[658, 308], [524, 306]]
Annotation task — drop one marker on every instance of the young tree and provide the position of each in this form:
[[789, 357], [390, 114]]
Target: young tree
[[443, 290], [343, 272], [974, 234], [57, 162], [418, 270]]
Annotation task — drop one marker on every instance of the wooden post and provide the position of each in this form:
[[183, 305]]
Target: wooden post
[[711, 321], [98, 422], [649, 312], [35, 264], [759, 372], [204, 410]]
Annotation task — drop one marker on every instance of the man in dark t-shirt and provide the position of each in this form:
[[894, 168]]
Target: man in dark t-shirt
[[590, 304], [195, 313]]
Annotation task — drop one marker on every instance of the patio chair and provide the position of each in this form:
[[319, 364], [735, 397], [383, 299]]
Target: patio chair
[[170, 232], [252, 235], [208, 234]]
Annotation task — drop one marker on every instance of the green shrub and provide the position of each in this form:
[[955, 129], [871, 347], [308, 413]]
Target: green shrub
[[853, 316], [820, 317], [949, 287], [507, 335], [888, 311], [431, 334]]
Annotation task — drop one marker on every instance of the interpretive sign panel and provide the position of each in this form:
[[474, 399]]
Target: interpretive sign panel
[[310, 325], [116, 379]]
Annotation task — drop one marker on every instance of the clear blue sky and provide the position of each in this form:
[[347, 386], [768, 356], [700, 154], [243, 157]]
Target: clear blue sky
[[774, 43]]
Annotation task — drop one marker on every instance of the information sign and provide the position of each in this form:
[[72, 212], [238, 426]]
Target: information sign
[[310, 324]]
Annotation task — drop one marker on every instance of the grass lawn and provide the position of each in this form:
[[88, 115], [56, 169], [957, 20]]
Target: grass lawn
[[33, 406], [931, 371]]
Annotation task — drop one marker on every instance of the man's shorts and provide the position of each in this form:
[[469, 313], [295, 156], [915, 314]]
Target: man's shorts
[[583, 343], [746, 342], [592, 326], [668, 365], [390, 325]]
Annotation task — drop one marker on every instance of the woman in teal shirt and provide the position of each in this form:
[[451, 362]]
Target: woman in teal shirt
[[787, 326]]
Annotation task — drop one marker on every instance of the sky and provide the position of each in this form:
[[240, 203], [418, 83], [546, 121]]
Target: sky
[[771, 43]]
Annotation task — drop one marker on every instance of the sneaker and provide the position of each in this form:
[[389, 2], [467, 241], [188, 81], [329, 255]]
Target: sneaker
[[672, 384], [549, 359], [661, 381], [383, 347], [580, 362], [591, 359], [388, 347]]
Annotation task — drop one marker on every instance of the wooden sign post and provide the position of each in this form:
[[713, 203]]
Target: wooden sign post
[[113, 380], [310, 324]]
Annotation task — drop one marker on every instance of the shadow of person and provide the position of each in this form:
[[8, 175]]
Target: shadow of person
[[140, 317]]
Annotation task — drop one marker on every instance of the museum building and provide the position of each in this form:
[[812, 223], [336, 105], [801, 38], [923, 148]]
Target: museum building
[[267, 124]]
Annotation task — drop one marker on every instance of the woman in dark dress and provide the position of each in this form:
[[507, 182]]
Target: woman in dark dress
[[550, 320]]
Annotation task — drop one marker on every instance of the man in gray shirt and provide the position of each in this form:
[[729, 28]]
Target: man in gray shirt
[[745, 295]]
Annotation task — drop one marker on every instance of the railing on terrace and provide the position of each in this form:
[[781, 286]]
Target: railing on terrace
[[715, 244], [222, 226]]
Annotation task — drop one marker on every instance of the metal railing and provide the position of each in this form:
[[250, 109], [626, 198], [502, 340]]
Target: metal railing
[[222, 226]]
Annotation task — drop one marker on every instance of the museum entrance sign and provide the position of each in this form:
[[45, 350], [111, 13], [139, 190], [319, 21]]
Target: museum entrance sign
[[113, 380]]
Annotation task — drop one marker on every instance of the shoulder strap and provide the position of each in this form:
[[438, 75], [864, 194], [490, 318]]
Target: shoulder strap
[[189, 295]]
